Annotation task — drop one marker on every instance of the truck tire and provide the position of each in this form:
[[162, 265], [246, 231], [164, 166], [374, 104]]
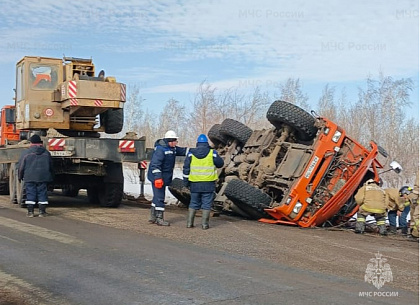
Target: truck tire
[[236, 130], [281, 112], [180, 191], [215, 136], [111, 195], [113, 120], [4, 184], [20, 193], [12, 183], [93, 196], [248, 198], [70, 191]]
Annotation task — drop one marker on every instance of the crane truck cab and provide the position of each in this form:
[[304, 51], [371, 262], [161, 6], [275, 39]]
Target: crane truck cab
[[66, 95]]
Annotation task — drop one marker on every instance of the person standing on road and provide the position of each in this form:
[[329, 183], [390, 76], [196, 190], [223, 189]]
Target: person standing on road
[[411, 199], [372, 201], [396, 208], [200, 174], [160, 173], [35, 169]]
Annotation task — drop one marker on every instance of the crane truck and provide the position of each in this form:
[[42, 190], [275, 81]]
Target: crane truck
[[72, 109]]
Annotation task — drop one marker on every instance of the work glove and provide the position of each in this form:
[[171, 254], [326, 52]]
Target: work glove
[[158, 183], [186, 183]]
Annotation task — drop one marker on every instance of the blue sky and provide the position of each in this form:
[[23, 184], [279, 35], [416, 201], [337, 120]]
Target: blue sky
[[167, 48]]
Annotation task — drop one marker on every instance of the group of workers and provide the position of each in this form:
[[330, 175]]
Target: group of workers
[[379, 203], [199, 173]]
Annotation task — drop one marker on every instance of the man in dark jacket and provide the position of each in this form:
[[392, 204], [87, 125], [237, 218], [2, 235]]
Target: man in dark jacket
[[160, 173], [35, 169], [200, 174]]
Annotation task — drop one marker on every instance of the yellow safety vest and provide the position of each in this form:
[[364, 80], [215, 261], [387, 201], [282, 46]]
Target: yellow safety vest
[[202, 170]]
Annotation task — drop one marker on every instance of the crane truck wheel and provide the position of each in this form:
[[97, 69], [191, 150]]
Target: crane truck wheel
[[20, 193], [112, 195], [92, 193], [12, 183], [4, 184], [70, 191]]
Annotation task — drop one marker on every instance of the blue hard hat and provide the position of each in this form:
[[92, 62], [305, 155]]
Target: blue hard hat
[[202, 138]]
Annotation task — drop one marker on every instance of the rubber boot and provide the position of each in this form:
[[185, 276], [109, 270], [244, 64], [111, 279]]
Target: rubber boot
[[360, 227], [42, 210], [159, 219], [392, 230], [205, 219], [152, 218], [404, 230], [190, 219], [30, 210], [382, 230]]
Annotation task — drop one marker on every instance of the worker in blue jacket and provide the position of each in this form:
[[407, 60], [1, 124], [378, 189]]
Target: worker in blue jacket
[[160, 173], [200, 174], [36, 170]]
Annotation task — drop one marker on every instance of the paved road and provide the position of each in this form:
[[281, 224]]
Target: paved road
[[62, 260]]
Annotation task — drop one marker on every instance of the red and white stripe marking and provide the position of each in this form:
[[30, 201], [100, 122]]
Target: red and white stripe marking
[[126, 146], [143, 164], [98, 103], [72, 89], [123, 92], [74, 102], [56, 144]]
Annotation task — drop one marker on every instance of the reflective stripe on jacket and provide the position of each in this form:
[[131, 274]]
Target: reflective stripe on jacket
[[371, 198]]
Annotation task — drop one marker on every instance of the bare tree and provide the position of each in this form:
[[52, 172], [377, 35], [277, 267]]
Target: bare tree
[[326, 103], [291, 91]]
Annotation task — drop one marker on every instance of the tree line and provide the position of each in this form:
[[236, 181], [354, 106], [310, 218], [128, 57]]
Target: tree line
[[378, 115]]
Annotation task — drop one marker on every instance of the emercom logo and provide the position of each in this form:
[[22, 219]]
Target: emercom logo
[[378, 272]]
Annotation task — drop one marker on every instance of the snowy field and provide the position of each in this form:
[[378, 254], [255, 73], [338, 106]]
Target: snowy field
[[132, 183]]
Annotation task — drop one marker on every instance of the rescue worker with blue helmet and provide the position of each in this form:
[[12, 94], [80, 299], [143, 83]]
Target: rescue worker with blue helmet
[[160, 173], [200, 174]]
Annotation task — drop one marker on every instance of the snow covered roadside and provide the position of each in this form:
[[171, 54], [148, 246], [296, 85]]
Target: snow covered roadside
[[132, 183]]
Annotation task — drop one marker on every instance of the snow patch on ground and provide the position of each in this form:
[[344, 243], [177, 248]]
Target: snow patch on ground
[[132, 186]]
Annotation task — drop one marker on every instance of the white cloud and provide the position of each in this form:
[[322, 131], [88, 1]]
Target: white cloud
[[179, 41]]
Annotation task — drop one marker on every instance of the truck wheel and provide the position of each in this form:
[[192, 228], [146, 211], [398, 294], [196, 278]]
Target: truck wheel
[[113, 120], [302, 122], [248, 198], [215, 136], [20, 193], [180, 192], [111, 195], [12, 183], [4, 184], [235, 130], [70, 191], [92, 193]]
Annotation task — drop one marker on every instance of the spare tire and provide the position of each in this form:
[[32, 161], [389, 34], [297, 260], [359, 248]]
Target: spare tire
[[113, 120], [236, 130], [281, 112], [248, 198]]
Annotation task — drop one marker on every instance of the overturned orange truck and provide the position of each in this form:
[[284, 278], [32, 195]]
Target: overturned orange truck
[[303, 171]]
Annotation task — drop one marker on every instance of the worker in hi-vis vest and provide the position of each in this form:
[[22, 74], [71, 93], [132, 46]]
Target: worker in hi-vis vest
[[200, 174]]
